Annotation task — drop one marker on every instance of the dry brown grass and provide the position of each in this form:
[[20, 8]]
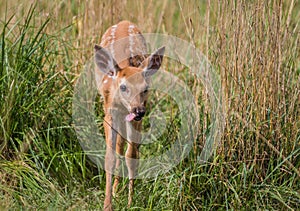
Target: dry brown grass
[[253, 45]]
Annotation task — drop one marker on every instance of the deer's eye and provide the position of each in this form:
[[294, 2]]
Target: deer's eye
[[123, 87]]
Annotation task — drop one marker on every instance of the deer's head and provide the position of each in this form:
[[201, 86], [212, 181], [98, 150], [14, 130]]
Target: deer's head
[[129, 86]]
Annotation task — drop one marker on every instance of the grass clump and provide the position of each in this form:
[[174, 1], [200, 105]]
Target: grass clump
[[37, 140]]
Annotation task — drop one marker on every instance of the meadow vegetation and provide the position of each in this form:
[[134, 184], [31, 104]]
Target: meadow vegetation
[[254, 47]]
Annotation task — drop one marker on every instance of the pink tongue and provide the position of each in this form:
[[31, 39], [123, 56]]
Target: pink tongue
[[130, 117]]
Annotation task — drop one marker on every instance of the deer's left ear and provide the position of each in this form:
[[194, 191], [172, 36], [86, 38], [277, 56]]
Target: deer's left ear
[[105, 61], [153, 62]]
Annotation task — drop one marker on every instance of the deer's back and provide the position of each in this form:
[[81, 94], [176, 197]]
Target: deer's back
[[126, 44]]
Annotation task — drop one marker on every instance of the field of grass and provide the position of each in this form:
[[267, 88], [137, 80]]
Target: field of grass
[[253, 46]]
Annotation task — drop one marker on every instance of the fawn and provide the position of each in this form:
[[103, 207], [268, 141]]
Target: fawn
[[123, 81]]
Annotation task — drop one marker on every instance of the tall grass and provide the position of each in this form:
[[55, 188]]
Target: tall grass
[[254, 46]]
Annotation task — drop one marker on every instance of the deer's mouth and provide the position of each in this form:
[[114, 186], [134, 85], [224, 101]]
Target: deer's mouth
[[137, 113], [132, 116]]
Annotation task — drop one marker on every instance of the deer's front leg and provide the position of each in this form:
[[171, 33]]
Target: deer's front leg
[[110, 161], [132, 155], [120, 151]]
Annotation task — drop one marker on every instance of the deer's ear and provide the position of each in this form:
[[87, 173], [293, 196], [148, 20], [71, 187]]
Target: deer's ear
[[105, 62], [153, 62]]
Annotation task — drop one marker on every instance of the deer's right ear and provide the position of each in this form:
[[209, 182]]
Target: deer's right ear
[[105, 62]]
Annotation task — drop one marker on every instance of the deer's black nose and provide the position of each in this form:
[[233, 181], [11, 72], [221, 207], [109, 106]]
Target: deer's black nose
[[139, 112]]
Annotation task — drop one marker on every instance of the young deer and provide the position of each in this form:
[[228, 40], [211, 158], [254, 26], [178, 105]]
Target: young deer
[[124, 86]]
